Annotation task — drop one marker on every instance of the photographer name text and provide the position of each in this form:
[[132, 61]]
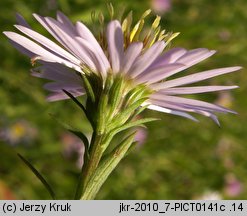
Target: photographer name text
[[42, 208]]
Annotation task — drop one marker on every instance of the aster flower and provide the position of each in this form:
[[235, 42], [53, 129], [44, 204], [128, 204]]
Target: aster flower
[[122, 73], [150, 66]]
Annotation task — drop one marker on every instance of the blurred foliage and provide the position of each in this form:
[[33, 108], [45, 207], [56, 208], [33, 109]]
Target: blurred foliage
[[180, 159]]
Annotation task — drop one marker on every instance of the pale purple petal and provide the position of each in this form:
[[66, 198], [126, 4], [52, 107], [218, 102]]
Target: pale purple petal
[[41, 53], [183, 56], [80, 47], [192, 54], [210, 115], [192, 57], [58, 86], [115, 44], [22, 49], [86, 34], [69, 39], [130, 55], [27, 44], [172, 57], [172, 106], [56, 96], [169, 57], [192, 103], [66, 22], [48, 44], [145, 60], [46, 74], [64, 36], [187, 60], [71, 44], [185, 109], [170, 111], [21, 21], [56, 72], [70, 30], [63, 77], [159, 73], [194, 78], [195, 90], [43, 22], [94, 56]]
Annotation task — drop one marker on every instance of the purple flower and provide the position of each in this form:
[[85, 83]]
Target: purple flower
[[161, 6], [233, 186], [122, 53]]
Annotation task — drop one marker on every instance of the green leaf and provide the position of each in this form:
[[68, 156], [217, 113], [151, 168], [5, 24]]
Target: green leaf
[[88, 88], [76, 132], [137, 123], [83, 138], [115, 96], [133, 124], [138, 111], [108, 83], [106, 167], [39, 176], [133, 146], [123, 116], [134, 95], [75, 100], [102, 109]]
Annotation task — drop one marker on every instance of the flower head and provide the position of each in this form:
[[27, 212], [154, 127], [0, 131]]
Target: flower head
[[120, 53]]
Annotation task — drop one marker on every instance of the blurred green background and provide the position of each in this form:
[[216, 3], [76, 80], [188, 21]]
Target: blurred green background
[[176, 159]]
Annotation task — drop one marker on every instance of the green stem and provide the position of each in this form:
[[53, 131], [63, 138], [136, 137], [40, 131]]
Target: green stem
[[95, 156], [107, 165], [90, 164]]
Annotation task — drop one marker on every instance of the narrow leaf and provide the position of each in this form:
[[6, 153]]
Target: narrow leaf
[[136, 94], [75, 100], [133, 146], [138, 123], [138, 111], [83, 138], [122, 117], [79, 134], [134, 124], [88, 88], [39, 176], [102, 108], [115, 95]]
